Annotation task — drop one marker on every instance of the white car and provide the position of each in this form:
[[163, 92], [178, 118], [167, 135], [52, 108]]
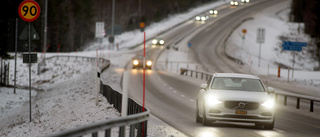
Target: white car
[[234, 3], [213, 12], [235, 98], [157, 41], [202, 18]]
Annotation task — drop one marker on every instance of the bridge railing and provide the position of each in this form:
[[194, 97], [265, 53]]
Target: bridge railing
[[298, 97]]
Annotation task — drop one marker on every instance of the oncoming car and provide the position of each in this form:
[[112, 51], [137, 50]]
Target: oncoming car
[[137, 62], [202, 18], [157, 41], [234, 3], [235, 98], [213, 12]]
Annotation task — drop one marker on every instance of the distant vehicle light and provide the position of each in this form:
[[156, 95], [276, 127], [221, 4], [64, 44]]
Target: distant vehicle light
[[215, 12], [234, 3], [245, 1], [198, 18], [135, 62], [149, 63], [161, 42], [203, 18], [154, 41]]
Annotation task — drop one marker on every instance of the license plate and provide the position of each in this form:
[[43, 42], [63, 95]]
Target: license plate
[[241, 112]]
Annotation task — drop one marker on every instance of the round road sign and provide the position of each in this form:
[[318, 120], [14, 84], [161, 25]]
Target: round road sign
[[244, 31], [142, 25], [29, 10]]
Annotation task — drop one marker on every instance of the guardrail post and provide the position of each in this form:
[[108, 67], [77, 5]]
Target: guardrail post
[[298, 103], [196, 74], [107, 133], [285, 101], [139, 128], [95, 134], [206, 76], [201, 75], [311, 105], [132, 130], [191, 73], [121, 131]]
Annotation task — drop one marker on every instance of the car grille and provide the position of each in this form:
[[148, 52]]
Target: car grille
[[241, 105], [241, 117]]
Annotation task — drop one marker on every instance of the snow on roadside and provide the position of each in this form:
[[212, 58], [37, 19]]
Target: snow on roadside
[[275, 22]]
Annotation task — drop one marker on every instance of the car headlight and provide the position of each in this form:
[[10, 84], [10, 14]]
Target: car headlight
[[231, 2], [154, 41], [135, 62], [268, 104], [198, 18], [215, 12], [211, 100], [236, 3], [161, 41], [149, 63], [203, 18], [211, 11]]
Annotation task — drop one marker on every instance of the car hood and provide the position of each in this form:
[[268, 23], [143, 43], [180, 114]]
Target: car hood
[[228, 95]]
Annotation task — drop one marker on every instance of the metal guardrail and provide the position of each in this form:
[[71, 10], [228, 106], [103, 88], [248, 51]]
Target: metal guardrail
[[136, 119], [206, 76], [106, 125], [4, 72], [105, 62]]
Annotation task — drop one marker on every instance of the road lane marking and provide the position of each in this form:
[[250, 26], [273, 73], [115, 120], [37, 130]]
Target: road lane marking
[[191, 100], [182, 95]]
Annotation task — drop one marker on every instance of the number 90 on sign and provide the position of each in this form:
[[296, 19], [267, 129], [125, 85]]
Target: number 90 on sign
[[29, 10]]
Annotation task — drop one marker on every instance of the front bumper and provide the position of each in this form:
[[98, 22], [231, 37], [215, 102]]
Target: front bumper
[[257, 114]]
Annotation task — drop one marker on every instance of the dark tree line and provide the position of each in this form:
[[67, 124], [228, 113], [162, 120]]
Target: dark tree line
[[308, 12], [71, 23]]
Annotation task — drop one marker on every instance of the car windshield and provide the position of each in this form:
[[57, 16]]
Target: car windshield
[[140, 57], [241, 84]]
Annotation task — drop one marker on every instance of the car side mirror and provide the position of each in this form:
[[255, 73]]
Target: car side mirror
[[270, 89], [203, 86]]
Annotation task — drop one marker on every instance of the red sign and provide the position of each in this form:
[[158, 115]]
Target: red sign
[[29, 10]]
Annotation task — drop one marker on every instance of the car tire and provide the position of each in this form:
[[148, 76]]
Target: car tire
[[205, 121], [198, 118], [269, 126]]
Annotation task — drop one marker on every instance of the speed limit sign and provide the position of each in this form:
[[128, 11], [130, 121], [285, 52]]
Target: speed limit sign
[[29, 10]]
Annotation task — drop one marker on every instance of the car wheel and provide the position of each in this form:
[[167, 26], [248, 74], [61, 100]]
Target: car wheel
[[269, 126], [205, 121], [133, 67], [198, 118]]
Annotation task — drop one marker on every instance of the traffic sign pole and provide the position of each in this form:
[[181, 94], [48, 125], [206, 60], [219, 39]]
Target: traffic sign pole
[[29, 11], [30, 68]]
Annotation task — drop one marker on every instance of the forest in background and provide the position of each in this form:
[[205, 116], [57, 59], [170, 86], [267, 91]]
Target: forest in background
[[71, 23]]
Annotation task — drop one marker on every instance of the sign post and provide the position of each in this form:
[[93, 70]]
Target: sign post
[[293, 46], [260, 39], [244, 31], [29, 11]]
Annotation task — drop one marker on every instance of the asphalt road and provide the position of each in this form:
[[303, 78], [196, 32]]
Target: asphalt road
[[171, 97]]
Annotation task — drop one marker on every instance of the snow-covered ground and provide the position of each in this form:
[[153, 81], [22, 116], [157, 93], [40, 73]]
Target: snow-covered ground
[[63, 96]]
